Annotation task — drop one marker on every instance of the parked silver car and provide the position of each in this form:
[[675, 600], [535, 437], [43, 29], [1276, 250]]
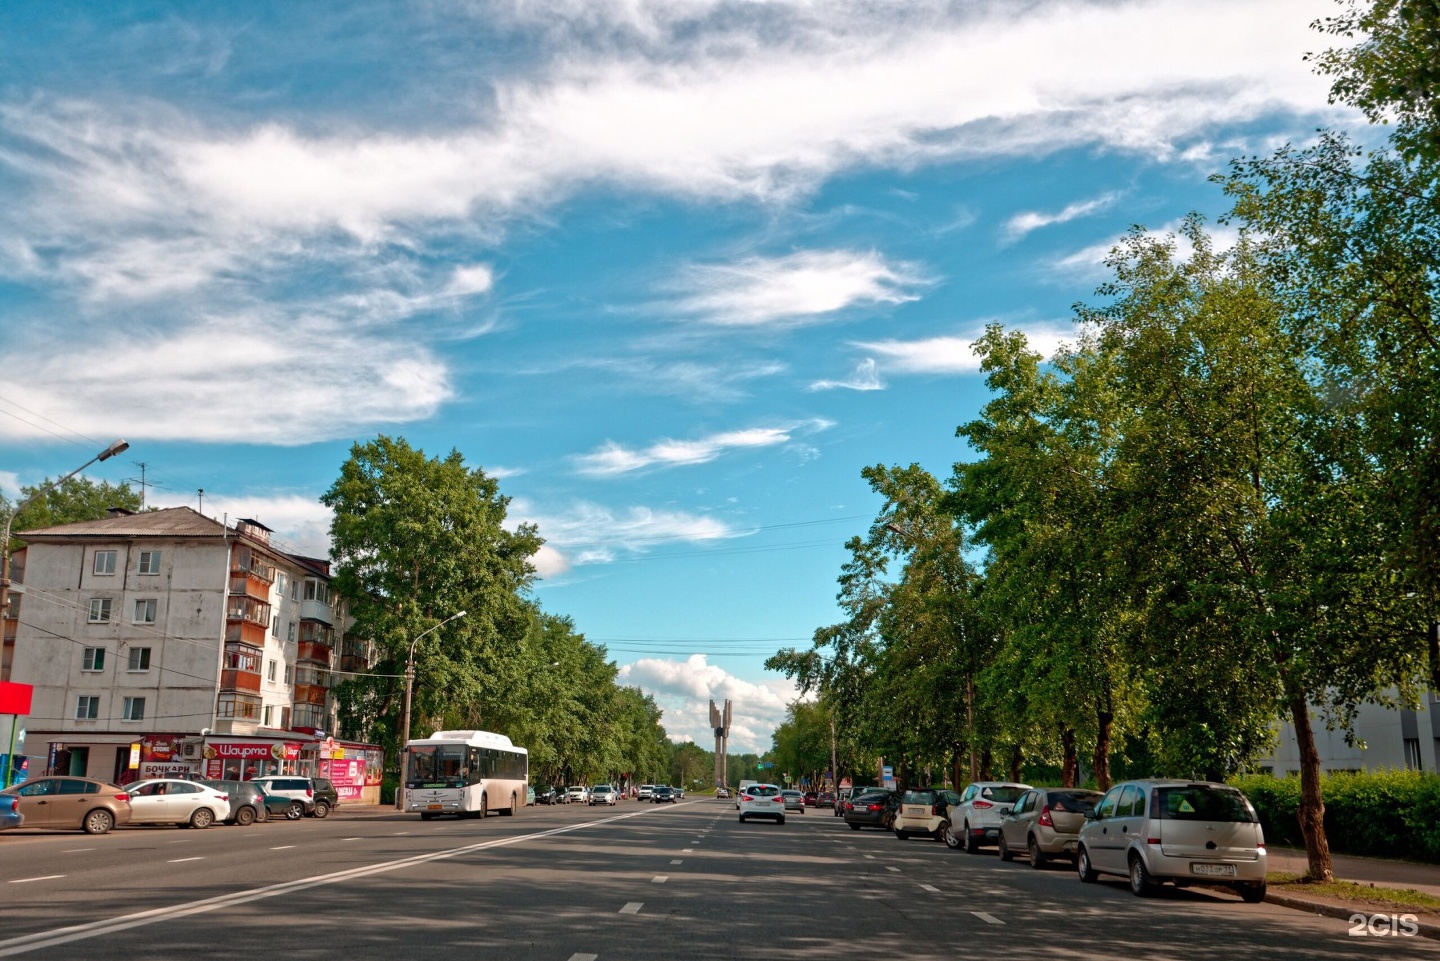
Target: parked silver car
[[976, 819], [1184, 832], [1045, 823]]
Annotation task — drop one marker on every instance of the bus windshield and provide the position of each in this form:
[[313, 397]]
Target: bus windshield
[[436, 765]]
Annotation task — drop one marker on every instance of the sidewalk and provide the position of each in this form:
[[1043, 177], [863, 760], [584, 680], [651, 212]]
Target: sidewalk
[[1366, 872]]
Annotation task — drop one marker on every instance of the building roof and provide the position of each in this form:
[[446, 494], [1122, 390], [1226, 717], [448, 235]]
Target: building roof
[[170, 522]]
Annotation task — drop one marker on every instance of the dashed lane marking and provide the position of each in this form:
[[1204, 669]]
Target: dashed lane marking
[[660, 879], [179, 860], [931, 888], [890, 867], [283, 847], [43, 877], [987, 918], [583, 957], [632, 907], [677, 861]]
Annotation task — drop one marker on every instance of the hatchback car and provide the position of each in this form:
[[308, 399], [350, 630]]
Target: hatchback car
[[761, 801], [872, 809], [982, 805], [327, 797], [577, 795], [249, 802], [186, 804], [794, 801], [644, 792], [1184, 832], [10, 816], [61, 803], [604, 794], [722, 792], [663, 794], [299, 790], [1045, 823], [924, 811]]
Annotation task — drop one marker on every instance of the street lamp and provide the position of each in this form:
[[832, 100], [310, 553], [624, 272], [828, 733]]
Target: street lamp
[[117, 447], [409, 686]]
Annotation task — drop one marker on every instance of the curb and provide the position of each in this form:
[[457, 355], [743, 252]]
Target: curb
[[1424, 928]]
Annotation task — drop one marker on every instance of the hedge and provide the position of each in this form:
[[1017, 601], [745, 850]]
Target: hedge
[[1393, 814]]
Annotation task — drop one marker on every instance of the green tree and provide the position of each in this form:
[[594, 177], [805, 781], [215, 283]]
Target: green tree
[[415, 540], [77, 499]]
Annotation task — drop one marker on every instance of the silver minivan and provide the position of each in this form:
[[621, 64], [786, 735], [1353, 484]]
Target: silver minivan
[[1184, 832]]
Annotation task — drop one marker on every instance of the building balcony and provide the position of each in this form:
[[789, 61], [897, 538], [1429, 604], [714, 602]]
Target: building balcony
[[315, 653], [245, 632], [317, 610], [240, 681], [317, 632], [248, 585], [311, 694], [248, 609], [354, 662], [243, 708], [311, 716], [247, 561]]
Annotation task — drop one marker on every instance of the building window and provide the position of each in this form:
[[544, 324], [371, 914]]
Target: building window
[[145, 611], [1412, 754], [287, 673], [290, 632], [87, 707], [294, 590], [280, 583], [149, 562], [99, 610], [139, 659], [94, 659], [269, 711], [285, 717], [104, 562], [270, 672], [241, 707], [134, 709]]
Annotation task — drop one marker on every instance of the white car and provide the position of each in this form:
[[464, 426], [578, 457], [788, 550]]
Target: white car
[[741, 790], [761, 801], [983, 806], [173, 801], [578, 795], [645, 791], [604, 794]]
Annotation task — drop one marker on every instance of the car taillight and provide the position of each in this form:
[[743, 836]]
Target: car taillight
[[309, 793], [982, 805], [746, 797], [875, 807], [1045, 819], [222, 797], [938, 810], [122, 796], [1260, 846]]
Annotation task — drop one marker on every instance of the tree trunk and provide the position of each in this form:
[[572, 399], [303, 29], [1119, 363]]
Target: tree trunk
[[1312, 805], [1017, 757], [1103, 721], [1070, 761], [987, 772], [957, 770], [970, 728]]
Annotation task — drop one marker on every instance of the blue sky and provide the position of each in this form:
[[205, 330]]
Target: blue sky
[[674, 270]]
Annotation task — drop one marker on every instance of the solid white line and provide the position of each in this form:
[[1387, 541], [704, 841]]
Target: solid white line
[[583, 957], [45, 877], [677, 861], [931, 888], [660, 879], [108, 926], [178, 860], [352, 839], [283, 847], [76, 850], [987, 918], [632, 907]]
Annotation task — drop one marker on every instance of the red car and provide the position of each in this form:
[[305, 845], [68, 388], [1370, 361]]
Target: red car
[[811, 799]]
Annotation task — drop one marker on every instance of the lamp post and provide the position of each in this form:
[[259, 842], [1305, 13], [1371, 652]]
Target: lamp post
[[409, 686], [117, 447]]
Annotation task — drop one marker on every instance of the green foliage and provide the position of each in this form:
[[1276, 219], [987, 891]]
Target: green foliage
[[77, 499], [1376, 814]]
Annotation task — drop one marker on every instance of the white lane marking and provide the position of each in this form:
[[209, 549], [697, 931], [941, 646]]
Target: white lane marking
[[892, 868], [352, 839], [283, 847], [987, 918], [660, 879], [677, 861], [179, 860], [401, 833], [76, 850], [687, 850], [870, 856], [43, 877], [108, 926], [931, 888], [632, 907], [583, 957]]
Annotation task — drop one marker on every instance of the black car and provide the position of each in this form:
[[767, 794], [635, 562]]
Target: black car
[[247, 801], [326, 797], [873, 809], [663, 794], [548, 794]]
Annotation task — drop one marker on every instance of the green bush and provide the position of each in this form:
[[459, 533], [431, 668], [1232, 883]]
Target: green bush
[[1394, 814]]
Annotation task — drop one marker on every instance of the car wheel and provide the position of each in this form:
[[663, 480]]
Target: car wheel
[[202, 818], [1253, 893], [780, 819], [245, 816], [854, 827], [742, 819], [902, 835], [947, 834], [1005, 853], [1037, 856], [1083, 868], [322, 809], [972, 845], [1141, 884], [295, 811], [99, 821]]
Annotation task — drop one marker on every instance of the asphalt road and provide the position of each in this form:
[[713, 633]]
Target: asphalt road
[[571, 883]]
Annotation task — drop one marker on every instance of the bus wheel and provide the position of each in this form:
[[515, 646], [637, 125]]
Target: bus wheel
[[484, 807], [514, 807]]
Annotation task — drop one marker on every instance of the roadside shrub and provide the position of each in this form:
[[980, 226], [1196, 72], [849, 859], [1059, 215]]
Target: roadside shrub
[[1393, 814]]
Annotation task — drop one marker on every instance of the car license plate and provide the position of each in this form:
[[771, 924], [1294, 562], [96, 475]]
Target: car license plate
[[433, 807], [915, 811], [1213, 870]]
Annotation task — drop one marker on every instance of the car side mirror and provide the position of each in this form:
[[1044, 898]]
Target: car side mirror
[[1092, 815], [1006, 810]]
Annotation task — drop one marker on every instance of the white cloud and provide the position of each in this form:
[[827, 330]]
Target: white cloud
[[613, 459], [1023, 223], [956, 354], [865, 377], [684, 689], [797, 287], [301, 525], [591, 534]]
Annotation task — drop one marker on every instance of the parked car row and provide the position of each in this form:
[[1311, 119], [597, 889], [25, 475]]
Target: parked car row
[[1149, 831], [95, 807]]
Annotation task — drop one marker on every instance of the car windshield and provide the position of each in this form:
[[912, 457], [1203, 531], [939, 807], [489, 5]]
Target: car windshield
[[1198, 802], [1004, 794]]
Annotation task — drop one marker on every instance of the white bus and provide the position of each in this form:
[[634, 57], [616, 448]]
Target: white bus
[[465, 773]]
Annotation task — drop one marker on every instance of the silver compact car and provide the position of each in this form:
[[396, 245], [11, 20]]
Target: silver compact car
[[604, 794], [1046, 823], [976, 819], [1183, 832]]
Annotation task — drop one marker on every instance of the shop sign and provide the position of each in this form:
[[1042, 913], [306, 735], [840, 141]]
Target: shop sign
[[273, 750]]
